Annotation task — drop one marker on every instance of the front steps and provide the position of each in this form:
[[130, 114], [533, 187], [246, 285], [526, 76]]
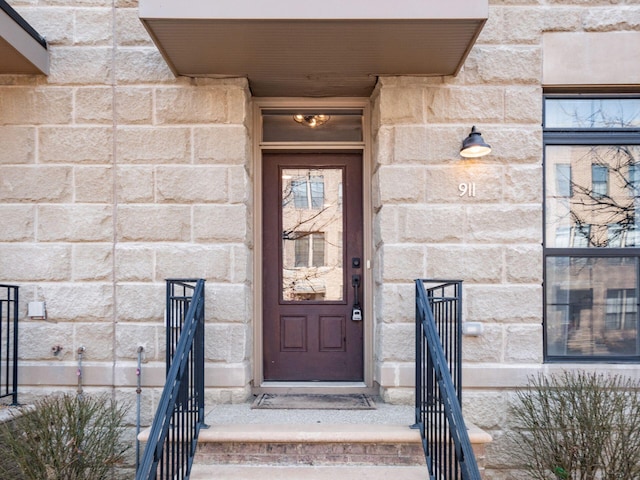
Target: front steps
[[309, 452]]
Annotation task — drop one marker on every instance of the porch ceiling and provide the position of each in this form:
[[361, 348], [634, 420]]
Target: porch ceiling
[[329, 48], [22, 49]]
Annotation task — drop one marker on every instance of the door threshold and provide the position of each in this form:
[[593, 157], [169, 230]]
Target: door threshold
[[315, 387]]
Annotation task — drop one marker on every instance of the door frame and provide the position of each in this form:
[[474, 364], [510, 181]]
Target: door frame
[[259, 104]]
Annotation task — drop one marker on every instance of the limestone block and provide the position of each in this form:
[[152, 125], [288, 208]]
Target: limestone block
[[241, 266], [153, 145], [93, 26], [406, 374], [57, 223], [153, 223], [223, 144], [93, 184], [445, 143], [135, 184], [141, 65], [524, 263], [523, 104], [431, 223], [191, 184], [97, 340], [404, 262], [523, 25], [191, 105], [226, 343], [94, 105], [493, 30], [386, 225], [524, 344], [129, 28], [401, 105], [515, 145], [383, 146], [223, 223], [607, 19], [139, 302], [75, 145], [134, 105], [227, 303], [485, 348], [81, 65], [464, 182], [18, 145], [18, 223], [399, 396], [411, 144], [481, 104], [239, 185], [504, 224], [35, 106], [55, 24], [35, 262], [396, 302], [397, 342], [402, 184], [78, 302], [211, 262], [504, 303], [129, 336], [92, 262], [134, 263], [504, 64], [487, 410], [523, 184], [471, 263], [43, 339]]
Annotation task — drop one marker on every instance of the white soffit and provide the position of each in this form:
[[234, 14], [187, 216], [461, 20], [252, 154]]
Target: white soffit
[[327, 48], [22, 49]]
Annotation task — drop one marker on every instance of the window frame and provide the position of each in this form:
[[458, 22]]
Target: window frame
[[565, 136]]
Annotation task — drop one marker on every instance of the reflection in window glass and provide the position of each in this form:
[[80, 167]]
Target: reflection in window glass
[[592, 113], [592, 306], [592, 196], [312, 226]]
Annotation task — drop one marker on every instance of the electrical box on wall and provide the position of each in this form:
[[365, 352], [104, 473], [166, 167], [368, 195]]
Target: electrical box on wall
[[37, 310]]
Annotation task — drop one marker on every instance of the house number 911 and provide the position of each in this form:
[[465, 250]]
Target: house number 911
[[467, 189]]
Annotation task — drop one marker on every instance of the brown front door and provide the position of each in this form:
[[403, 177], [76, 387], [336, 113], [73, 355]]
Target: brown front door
[[313, 267]]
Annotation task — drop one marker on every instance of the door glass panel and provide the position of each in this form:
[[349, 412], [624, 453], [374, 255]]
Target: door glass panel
[[312, 226]]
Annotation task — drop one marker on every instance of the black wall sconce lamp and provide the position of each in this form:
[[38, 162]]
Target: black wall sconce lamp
[[474, 145]]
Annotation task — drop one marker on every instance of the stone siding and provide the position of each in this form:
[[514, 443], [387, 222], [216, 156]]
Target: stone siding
[[115, 175]]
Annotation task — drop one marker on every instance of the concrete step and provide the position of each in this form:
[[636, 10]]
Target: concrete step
[[310, 445], [308, 472]]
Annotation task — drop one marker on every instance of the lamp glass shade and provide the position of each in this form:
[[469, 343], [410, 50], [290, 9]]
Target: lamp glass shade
[[474, 145]]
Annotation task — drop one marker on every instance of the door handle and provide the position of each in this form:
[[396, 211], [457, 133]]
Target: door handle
[[356, 311]]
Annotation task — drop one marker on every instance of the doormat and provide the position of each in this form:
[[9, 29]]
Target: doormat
[[313, 402]]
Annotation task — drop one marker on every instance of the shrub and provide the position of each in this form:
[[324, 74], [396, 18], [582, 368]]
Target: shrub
[[579, 426], [65, 438]]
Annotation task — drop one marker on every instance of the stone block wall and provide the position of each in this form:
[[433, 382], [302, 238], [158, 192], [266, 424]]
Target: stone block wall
[[428, 226], [115, 175]]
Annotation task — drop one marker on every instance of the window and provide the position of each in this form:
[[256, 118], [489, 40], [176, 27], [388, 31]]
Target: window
[[309, 250], [592, 228], [308, 193]]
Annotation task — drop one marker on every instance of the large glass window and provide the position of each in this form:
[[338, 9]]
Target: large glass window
[[592, 228]]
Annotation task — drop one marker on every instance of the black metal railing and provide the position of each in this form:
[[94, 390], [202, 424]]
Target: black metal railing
[[9, 342], [439, 380], [180, 416]]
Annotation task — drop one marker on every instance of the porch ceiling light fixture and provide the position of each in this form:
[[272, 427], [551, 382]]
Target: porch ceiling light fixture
[[474, 145], [311, 121]]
